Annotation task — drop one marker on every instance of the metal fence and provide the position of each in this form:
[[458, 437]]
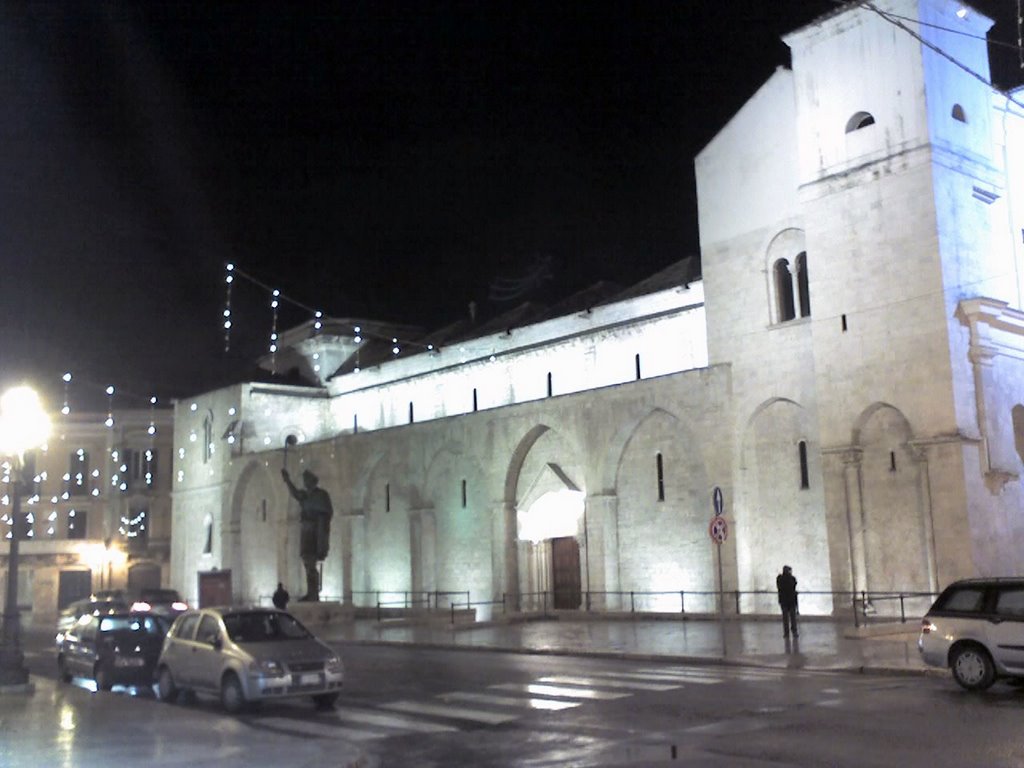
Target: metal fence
[[862, 608]]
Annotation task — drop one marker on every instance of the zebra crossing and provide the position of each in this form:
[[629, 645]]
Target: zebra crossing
[[501, 703]]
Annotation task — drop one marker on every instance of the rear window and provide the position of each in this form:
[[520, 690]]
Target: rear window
[[160, 595], [962, 600], [144, 625]]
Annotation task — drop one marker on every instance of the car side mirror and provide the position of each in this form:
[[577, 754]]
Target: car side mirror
[[217, 643]]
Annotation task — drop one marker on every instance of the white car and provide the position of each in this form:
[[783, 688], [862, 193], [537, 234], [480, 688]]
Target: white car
[[246, 655], [976, 629]]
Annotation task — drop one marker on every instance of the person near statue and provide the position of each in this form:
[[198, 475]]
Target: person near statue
[[785, 583], [281, 597], [315, 527]]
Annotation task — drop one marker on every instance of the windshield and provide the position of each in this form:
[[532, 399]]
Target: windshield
[[263, 626]]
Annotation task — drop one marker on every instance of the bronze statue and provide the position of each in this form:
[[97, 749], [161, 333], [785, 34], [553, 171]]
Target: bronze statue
[[315, 518]]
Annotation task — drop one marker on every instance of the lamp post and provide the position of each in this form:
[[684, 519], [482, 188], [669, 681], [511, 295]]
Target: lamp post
[[23, 426]]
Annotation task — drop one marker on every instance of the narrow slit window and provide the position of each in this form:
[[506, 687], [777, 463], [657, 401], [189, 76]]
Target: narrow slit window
[[660, 465], [464, 494], [410, 414], [805, 480], [387, 497], [475, 403], [550, 389], [355, 423], [636, 362], [892, 461], [844, 323]]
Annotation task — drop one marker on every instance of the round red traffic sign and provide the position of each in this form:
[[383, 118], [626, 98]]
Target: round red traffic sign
[[718, 529]]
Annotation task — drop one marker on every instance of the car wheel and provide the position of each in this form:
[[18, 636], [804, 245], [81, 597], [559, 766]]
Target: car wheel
[[232, 698], [166, 689], [972, 667], [62, 670], [102, 678], [325, 700]]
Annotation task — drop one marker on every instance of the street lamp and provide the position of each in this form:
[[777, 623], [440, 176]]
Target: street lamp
[[23, 426]]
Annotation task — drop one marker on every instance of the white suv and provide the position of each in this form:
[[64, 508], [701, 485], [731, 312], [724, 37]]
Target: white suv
[[976, 628]]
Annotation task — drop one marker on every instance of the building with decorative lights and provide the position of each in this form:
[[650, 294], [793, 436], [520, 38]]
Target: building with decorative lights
[[98, 513], [846, 369]]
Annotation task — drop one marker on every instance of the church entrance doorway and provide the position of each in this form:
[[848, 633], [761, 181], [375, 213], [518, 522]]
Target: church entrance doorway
[[214, 588], [565, 572]]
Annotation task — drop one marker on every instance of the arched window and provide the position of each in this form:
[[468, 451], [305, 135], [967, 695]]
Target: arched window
[[783, 291], [803, 286], [959, 114], [858, 121]]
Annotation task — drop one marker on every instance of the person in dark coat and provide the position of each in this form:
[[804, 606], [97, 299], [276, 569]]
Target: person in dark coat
[[281, 597], [785, 583]]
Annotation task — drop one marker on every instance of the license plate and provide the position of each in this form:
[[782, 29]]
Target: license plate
[[309, 680], [130, 661]]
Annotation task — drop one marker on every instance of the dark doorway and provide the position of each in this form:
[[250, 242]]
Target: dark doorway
[[214, 588], [73, 585], [143, 576], [565, 572]]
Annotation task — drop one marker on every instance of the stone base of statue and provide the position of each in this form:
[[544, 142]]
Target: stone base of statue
[[321, 614]]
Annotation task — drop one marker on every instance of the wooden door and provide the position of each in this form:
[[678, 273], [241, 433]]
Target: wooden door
[[72, 586], [565, 572], [214, 588]]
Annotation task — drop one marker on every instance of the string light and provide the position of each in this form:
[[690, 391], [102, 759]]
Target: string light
[[67, 382], [110, 407], [228, 279], [273, 331], [152, 417]]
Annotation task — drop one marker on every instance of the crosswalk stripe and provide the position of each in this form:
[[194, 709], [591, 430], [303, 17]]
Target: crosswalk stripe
[[509, 701], [558, 691], [315, 728], [604, 682], [447, 710], [350, 714], [656, 677]]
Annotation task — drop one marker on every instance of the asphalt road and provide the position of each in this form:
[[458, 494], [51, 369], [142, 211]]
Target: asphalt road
[[410, 707]]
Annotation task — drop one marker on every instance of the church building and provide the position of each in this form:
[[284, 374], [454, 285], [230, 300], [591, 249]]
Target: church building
[[838, 386]]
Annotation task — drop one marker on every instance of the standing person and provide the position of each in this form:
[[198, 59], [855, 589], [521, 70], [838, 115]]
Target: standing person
[[315, 512], [785, 583], [281, 597]]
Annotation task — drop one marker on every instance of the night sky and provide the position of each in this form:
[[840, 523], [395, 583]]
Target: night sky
[[380, 160]]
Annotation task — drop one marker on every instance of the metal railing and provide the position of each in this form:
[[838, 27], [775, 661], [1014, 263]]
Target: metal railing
[[865, 607]]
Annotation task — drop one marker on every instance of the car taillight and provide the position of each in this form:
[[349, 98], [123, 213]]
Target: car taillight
[[927, 627]]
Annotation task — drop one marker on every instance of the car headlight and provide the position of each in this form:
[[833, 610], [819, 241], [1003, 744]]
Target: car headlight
[[267, 668], [333, 666]]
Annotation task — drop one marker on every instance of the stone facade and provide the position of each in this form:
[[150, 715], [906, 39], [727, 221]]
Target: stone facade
[[847, 372]]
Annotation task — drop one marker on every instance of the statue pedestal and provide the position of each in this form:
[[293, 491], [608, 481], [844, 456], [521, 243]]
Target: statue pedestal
[[321, 614]]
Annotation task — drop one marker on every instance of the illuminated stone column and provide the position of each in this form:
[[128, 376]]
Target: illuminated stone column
[[601, 555], [423, 542], [919, 454], [504, 554], [855, 519]]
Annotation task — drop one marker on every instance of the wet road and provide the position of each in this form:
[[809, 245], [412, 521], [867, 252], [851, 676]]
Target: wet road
[[414, 707]]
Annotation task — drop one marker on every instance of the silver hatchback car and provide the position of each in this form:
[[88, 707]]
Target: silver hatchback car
[[246, 655], [976, 629]]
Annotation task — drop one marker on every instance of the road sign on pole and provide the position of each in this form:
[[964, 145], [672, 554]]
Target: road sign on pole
[[717, 502], [718, 529]]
